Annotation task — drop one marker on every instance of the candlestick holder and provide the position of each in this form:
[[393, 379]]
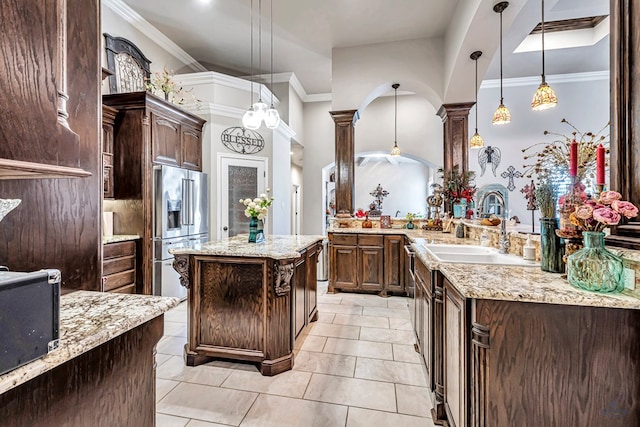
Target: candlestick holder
[[599, 189]]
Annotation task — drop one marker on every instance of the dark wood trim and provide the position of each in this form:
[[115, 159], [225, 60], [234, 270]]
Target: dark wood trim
[[116, 45], [438, 413], [345, 159], [625, 114], [569, 24], [455, 119], [16, 169]]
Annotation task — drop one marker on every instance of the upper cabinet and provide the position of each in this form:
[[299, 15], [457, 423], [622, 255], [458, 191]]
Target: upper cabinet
[[36, 139]]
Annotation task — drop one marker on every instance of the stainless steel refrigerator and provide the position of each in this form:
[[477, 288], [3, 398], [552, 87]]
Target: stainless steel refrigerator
[[180, 219]]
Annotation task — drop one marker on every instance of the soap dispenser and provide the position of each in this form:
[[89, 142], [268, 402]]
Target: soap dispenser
[[485, 239], [529, 251]]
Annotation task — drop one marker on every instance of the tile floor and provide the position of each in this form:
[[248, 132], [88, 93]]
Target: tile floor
[[355, 367]]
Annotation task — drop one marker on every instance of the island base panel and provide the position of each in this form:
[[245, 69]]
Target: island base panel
[[112, 384]]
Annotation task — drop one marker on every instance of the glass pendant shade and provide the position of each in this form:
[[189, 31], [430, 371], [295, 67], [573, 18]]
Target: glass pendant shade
[[395, 151], [260, 108], [251, 120], [544, 98], [271, 118], [502, 116], [476, 141]]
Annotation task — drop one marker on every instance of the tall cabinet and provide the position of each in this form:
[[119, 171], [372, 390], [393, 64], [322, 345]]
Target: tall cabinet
[[147, 131]]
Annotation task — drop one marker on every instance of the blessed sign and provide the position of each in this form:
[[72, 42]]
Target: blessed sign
[[242, 140]]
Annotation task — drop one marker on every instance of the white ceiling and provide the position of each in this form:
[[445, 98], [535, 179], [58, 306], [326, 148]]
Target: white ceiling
[[217, 33]]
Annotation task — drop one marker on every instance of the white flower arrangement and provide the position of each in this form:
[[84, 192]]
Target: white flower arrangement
[[257, 207]]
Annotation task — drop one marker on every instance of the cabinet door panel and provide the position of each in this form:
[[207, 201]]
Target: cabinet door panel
[[344, 267], [370, 261], [191, 143], [311, 285], [454, 355], [299, 279], [394, 263], [165, 140]]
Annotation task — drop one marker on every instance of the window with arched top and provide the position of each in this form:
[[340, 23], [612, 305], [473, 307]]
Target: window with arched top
[[128, 64], [491, 205]]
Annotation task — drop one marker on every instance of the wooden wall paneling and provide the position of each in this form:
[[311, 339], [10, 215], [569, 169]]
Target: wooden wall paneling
[[113, 384], [58, 224], [345, 160], [559, 364], [625, 114]]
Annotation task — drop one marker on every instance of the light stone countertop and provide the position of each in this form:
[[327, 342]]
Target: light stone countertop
[[275, 247], [87, 320], [119, 238], [522, 284]]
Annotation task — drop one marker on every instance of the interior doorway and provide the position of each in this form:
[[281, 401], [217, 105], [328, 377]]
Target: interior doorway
[[240, 177], [295, 209]]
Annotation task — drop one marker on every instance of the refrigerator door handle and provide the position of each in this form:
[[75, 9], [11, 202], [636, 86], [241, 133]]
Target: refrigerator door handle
[[185, 202], [191, 202]]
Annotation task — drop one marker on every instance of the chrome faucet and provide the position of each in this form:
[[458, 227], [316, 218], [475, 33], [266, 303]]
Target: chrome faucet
[[504, 239], [397, 212]]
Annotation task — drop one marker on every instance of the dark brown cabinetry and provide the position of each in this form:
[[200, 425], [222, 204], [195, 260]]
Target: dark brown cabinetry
[[147, 131], [119, 267], [108, 120], [366, 262], [455, 356], [304, 298]]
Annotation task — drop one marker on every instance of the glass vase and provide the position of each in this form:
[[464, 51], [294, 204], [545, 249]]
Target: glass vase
[[459, 209], [410, 225], [593, 267], [253, 229], [551, 248]]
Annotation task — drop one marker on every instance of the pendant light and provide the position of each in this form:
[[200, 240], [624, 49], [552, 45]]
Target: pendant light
[[271, 116], [395, 151], [545, 97], [476, 140], [502, 116], [250, 119], [260, 107]]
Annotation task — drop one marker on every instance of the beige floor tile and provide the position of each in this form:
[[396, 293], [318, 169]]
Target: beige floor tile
[[387, 335], [352, 392], [311, 343], [365, 418], [323, 363], [378, 350], [400, 324], [161, 358], [339, 308], [175, 369], [198, 423], [175, 316], [329, 298], [353, 320], [399, 304], [386, 312], [338, 331], [163, 387], [171, 345], [326, 317], [276, 411], [163, 420], [175, 329], [290, 383], [390, 371], [406, 353], [364, 300], [413, 400], [207, 403]]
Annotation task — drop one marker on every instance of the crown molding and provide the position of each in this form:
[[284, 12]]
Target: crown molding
[[212, 109], [285, 130], [144, 26], [213, 77], [556, 78]]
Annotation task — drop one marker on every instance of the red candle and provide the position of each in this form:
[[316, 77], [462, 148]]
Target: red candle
[[600, 165], [573, 158]]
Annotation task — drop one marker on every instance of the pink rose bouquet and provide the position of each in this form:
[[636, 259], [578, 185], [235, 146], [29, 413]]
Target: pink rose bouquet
[[608, 209]]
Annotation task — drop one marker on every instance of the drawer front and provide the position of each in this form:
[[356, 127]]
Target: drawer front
[[370, 240], [116, 265], [345, 239], [112, 250], [117, 280], [128, 289]]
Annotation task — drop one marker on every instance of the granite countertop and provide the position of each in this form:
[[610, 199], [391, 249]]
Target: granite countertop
[[275, 247], [88, 319], [119, 238], [522, 284]]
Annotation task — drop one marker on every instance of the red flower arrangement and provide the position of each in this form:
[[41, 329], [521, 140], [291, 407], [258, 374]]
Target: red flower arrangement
[[458, 185]]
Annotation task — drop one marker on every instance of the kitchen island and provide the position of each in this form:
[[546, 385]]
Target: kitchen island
[[249, 301], [102, 373]]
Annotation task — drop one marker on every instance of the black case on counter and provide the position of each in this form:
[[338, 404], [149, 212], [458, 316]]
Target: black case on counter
[[29, 316]]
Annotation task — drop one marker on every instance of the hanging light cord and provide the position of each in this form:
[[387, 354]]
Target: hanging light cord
[[501, 98], [477, 94], [395, 121], [260, 44], [251, 78], [542, 41], [271, 15]]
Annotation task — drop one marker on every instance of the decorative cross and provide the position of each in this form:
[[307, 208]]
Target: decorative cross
[[511, 173], [379, 193], [529, 192]]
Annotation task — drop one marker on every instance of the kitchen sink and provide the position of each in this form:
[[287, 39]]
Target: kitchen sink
[[470, 254]]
